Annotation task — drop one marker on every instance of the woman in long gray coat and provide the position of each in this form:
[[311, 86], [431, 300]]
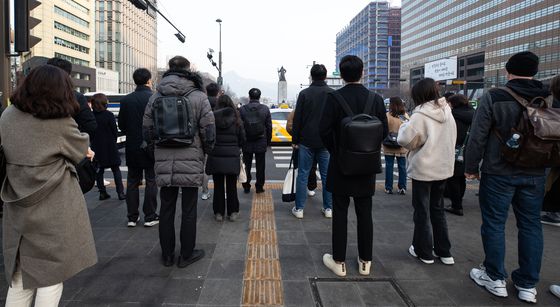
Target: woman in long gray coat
[[47, 235]]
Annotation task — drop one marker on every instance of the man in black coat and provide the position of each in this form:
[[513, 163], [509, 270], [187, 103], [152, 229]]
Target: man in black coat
[[305, 137], [84, 118], [139, 162], [256, 118], [342, 187]]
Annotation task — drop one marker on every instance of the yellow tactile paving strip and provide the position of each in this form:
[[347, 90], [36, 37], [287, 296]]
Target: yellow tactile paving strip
[[262, 280]]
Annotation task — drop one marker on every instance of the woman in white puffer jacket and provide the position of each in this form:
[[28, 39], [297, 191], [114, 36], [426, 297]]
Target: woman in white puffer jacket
[[430, 138]]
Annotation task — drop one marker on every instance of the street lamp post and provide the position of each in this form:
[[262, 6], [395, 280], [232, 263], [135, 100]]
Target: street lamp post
[[220, 79]]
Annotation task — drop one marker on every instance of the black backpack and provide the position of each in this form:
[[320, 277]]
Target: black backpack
[[174, 123], [361, 135], [254, 123]]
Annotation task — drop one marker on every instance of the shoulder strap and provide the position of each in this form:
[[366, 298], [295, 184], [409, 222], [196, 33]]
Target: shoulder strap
[[343, 103], [369, 103], [189, 92], [522, 101]]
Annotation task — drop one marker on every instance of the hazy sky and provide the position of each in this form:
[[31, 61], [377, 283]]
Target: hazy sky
[[258, 36]]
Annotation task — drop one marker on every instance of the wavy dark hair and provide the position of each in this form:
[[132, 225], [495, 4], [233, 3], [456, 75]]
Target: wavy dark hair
[[396, 106], [99, 102], [458, 100], [47, 92], [425, 90], [225, 101]]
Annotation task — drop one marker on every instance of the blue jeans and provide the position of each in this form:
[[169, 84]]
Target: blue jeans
[[526, 194], [401, 163], [305, 161]]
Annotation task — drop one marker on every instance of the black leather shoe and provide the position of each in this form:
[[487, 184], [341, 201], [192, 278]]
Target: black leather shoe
[[104, 196], [122, 196], [168, 260], [196, 255], [452, 210], [260, 190]]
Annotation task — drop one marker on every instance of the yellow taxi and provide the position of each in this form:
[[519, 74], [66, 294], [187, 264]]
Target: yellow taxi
[[279, 120]]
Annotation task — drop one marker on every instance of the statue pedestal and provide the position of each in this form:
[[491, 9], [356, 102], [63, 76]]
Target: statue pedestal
[[282, 91]]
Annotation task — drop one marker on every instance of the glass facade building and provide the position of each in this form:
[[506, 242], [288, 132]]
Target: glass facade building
[[481, 34], [374, 36], [126, 39]]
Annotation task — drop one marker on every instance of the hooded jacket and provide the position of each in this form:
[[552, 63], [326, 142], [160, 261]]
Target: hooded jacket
[[498, 110], [230, 136], [463, 116], [183, 166], [430, 138]]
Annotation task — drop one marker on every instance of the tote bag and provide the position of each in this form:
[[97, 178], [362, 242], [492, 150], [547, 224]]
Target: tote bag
[[242, 178], [289, 188]]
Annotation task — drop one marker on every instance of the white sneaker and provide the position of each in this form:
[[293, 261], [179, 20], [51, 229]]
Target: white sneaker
[[132, 223], [413, 254], [528, 295], [205, 196], [445, 260], [337, 268], [327, 212], [310, 193], [297, 212], [364, 266], [496, 287], [555, 289]]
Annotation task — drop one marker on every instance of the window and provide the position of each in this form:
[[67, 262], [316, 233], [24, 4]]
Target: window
[[71, 45], [71, 16], [72, 60], [279, 115], [67, 29]]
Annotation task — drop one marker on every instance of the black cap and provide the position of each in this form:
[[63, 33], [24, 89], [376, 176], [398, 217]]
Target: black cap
[[525, 64]]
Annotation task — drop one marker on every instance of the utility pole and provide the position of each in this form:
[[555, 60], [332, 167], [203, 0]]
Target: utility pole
[[4, 58], [220, 78]]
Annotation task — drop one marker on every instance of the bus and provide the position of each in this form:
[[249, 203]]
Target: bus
[[114, 106]]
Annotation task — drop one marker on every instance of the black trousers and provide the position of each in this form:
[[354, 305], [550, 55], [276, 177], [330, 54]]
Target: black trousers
[[187, 237], [362, 205], [260, 159], [134, 178], [455, 190], [429, 216], [219, 202], [116, 175]]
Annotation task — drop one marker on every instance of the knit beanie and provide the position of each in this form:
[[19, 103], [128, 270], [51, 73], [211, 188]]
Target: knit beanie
[[524, 64]]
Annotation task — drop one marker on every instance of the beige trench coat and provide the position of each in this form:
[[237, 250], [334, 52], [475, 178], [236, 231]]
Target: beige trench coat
[[45, 215]]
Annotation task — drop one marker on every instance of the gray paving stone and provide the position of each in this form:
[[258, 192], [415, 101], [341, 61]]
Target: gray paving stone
[[291, 237], [379, 294], [182, 291], [339, 294], [296, 262], [227, 269], [219, 292], [297, 293]]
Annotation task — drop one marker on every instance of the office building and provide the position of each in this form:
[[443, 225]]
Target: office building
[[126, 40], [482, 35], [374, 36], [67, 31]]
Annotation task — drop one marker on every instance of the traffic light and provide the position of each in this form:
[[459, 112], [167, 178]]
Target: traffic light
[[23, 40], [141, 4]]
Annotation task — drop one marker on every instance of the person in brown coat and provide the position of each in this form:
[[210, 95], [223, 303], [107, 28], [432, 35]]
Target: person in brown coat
[[395, 117], [46, 234]]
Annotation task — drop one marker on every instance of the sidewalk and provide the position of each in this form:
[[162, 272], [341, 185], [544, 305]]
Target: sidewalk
[[269, 257]]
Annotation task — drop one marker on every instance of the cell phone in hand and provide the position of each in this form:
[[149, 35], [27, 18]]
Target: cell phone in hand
[[403, 118]]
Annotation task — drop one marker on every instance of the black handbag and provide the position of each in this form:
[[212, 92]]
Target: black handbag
[[391, 140], [87, 172]]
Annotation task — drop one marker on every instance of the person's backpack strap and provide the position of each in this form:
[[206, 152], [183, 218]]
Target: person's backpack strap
[[369, 103], [343, 103], [522, 101]]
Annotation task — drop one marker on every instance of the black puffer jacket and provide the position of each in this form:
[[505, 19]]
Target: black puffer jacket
[[230, 136], [463, 116]]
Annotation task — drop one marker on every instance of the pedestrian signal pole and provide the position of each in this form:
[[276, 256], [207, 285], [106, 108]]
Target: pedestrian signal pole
[[4, 59]]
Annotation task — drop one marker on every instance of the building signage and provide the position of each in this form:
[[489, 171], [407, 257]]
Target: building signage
[[445, 69]]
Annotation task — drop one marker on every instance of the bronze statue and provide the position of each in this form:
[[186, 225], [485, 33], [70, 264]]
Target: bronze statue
[[282, 74]]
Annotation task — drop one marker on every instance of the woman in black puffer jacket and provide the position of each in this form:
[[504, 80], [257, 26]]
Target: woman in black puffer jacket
[[223, 162]]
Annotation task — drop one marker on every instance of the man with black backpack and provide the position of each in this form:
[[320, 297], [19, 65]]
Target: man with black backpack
[[352, 128], [179, 121], [497, 140], [258, 130]]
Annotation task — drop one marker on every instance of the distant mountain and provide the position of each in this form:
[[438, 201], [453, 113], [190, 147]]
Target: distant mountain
[[241, 86]]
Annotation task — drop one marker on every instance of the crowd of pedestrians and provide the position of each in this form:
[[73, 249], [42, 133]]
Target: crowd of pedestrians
[[185, 131]]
